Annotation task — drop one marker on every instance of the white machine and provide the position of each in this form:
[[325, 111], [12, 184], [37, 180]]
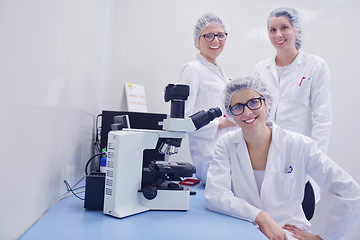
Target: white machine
[[130, 187]]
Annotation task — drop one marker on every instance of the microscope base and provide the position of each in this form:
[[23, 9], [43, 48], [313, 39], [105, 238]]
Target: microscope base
[[176, 200], [169, 200]]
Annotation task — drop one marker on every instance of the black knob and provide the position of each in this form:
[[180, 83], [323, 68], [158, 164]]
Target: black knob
[[149, 192]]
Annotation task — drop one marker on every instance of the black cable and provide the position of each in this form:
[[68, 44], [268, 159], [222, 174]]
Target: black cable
[[88, 162], [74, 189], [71, 190]]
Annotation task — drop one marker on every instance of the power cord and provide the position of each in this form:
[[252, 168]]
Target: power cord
[[71, 190], [88, 162], [86, 173], [97, 148]]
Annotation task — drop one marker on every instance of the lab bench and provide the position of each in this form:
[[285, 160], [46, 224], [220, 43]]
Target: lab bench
[[68, 219]]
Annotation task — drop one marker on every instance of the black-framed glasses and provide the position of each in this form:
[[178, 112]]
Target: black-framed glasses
[[252, 104], [209, 37]]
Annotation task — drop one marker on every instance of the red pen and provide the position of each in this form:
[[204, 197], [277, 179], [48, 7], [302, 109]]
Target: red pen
[[301, 81]]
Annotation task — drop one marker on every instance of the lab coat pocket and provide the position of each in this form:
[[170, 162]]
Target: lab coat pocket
[[284, 186], [300, 90]]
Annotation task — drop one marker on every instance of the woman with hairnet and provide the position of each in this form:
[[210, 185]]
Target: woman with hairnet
[[259, 169], [301, 80], [206, 81]]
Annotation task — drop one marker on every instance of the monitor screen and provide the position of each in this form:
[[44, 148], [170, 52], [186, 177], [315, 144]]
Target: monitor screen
[[137, 120]]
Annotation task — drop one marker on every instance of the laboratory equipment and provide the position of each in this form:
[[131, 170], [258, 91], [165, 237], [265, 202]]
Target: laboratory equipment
[[131, 187]]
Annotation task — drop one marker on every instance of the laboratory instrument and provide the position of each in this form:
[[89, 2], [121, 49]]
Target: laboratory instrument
[[132, 187]]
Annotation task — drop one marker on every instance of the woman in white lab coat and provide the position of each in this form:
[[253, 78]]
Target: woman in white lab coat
[[259, 171], [301, 80], [206, 81]]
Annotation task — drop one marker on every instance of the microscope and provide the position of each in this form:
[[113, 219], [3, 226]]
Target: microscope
[[134, 184]]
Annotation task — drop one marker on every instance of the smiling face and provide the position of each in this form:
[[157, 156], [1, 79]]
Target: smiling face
[[211, 50], [281, 34], [249, 120]]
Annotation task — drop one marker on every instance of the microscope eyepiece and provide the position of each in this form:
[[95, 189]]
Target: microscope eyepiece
[[202, 118]]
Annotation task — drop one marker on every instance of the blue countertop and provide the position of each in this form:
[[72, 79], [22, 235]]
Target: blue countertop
[[68, 219]]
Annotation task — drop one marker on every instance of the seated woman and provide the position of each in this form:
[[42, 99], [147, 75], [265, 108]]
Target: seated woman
[[259, 171]]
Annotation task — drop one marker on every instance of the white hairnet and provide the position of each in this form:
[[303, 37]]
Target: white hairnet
[[296, 19], [202, 22], [252, 83]]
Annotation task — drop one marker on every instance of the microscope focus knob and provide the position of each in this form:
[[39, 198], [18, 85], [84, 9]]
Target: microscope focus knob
[[149, 192]]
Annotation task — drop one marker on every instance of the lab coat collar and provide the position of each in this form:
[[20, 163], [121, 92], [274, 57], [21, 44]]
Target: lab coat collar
[[215, 68], [204, 61], [298, 60], [238, 137], [276, 132]]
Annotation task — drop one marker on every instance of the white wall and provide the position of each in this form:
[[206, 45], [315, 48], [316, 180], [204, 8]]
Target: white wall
[[63, 61], [53, 69], [152, 40]]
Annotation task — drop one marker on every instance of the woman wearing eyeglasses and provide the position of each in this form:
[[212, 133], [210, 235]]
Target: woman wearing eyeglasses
[[259, 172], [206, 81]]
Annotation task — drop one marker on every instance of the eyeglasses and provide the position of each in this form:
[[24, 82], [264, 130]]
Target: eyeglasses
[[252, 104], [209, 37]]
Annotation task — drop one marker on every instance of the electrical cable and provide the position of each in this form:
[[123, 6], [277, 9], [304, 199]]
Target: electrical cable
[[71, 190], [88, 162], [75, 189]]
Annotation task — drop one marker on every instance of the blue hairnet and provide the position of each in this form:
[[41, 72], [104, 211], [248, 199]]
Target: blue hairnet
[[252, 83], [296, 19], [202, 22]]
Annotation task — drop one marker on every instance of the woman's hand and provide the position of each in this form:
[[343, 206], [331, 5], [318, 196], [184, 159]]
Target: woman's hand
[[269, 227], [225, 123], [300, 234]]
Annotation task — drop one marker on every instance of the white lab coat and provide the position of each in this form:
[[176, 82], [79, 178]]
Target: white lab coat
[[206, 82], [231, 188], [304, 108]]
